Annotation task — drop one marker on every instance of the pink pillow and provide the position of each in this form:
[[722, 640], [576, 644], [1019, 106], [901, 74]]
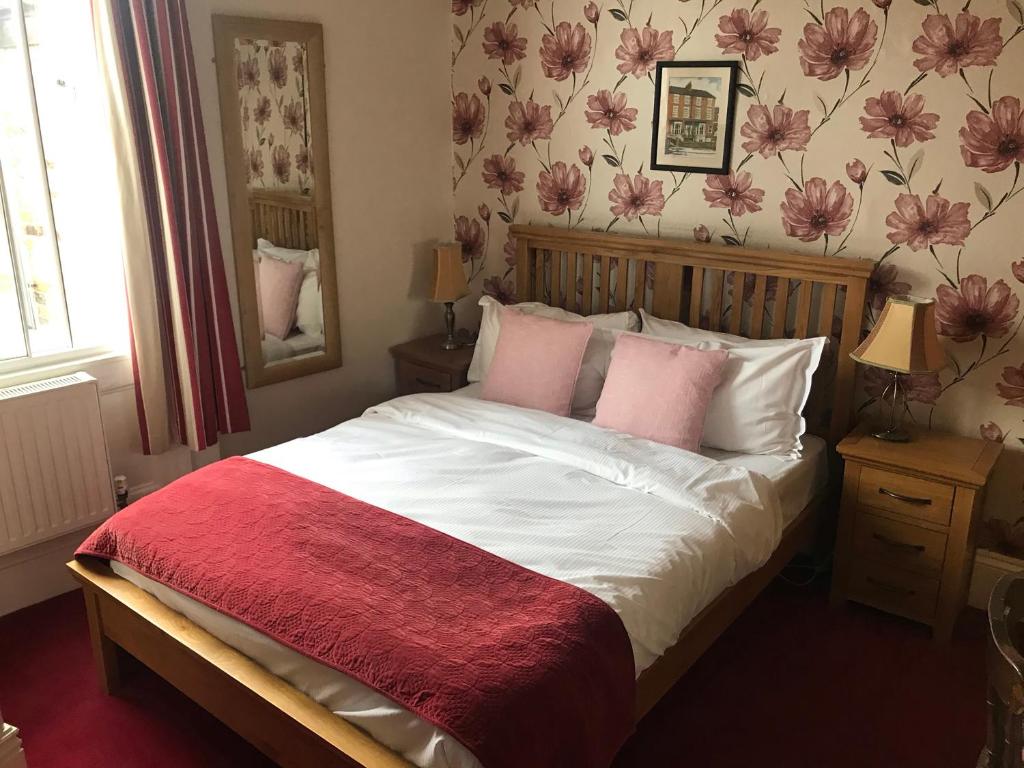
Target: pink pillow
[[280, 282], [536, 362], [659, 391]]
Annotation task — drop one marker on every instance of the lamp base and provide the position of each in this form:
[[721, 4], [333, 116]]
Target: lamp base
[[893, 435], [450, 344]]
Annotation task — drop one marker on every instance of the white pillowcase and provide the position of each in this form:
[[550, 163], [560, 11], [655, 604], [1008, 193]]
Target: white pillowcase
[[595, 359], [758, 406]]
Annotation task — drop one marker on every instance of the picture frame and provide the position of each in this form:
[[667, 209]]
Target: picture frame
[[694, 116]]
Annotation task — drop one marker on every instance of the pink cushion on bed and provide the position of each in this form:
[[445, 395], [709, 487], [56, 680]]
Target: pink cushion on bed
[[536, 362], [658, 390], [280, 282]]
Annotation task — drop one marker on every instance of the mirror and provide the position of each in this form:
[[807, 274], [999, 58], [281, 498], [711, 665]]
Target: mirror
[[274, 120]]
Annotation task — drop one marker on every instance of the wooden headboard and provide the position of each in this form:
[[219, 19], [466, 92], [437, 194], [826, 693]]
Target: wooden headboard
[[780, 294], [287, 219]]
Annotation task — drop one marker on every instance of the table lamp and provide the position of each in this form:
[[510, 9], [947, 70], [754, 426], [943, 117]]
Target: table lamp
[[903, 341], [449, 286]]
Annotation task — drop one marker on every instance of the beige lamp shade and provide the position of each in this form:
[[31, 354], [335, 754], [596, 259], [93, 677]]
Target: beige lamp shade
[[904, 339], [449, 275]]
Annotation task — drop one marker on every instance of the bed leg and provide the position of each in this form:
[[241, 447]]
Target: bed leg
[[106, 653]]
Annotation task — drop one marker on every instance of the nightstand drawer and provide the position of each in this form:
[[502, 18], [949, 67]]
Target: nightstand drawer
[[413, 379], [900, 544], [893, 589], [906, 495]]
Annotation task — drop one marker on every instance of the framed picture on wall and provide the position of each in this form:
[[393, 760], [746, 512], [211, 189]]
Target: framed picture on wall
[[694, 110]]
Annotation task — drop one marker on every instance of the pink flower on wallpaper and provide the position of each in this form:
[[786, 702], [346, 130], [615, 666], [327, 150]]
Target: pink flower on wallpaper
[[921, 225], [302, 159], [566, 52], [637, 196], [641, 50], [919, 387], [471, 235], [946, 49], [248, 73], [262, 111], [747, 33], [277, 67], [841, 42], [281, 163], [294, 117], [609, 111], [254, 164], [735, 192], [500, 173], [975, 310], [509, 250], [485, 212], [993, 143], [701, 234], [586, 155], [857, 172], [503, 291], [459, 7], [775, 131], [561, 189], [503, 42], [991, 431], [528, 122], [890, 116], [819, 209], [484, 84], [883, 283], [1018, 270], [592, 12], [1011, 388], [468, 117]]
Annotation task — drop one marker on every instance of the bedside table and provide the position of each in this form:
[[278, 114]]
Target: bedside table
[[422, 366], [907, 523]]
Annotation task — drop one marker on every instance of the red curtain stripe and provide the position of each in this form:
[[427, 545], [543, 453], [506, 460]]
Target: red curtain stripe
[[200, 382]]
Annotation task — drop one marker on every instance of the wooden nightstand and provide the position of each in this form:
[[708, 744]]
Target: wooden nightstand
[[907, 523], [422, 366]]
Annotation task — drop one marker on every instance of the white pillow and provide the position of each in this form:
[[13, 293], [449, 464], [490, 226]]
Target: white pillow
[[310, 258], [595, 359], [758, 406], [309, 316]]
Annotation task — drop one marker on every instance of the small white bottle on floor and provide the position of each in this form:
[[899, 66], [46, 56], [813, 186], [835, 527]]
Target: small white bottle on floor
[[11, 753]]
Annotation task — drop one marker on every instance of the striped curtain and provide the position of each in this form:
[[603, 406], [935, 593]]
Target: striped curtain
[[188, 380]]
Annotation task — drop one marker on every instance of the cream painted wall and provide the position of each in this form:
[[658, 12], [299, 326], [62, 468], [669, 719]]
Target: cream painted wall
[[390, 149]]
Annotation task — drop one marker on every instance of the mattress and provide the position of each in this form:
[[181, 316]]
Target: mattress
[[437, 460]]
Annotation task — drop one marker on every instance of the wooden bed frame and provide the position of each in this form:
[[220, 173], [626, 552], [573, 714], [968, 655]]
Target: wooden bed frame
[[789, 295]]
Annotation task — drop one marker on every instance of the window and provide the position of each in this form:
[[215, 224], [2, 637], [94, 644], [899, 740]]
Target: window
[[61, 288]]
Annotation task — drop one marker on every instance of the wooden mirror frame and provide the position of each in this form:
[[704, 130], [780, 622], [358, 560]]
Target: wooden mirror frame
[[226, 29]]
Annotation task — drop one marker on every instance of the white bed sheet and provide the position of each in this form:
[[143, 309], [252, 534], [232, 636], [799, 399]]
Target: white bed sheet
[[537, 490]]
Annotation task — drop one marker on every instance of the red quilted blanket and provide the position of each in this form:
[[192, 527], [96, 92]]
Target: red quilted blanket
[[522, 669]]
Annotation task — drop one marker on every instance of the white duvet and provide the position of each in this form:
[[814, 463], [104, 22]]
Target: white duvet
[[654, 531]]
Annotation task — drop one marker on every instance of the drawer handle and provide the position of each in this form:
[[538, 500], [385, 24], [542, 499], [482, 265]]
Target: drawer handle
[[888, 586], [917, 549], [426, 383], [907, 499]]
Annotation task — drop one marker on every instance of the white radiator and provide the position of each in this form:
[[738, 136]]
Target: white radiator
[[54, 468]]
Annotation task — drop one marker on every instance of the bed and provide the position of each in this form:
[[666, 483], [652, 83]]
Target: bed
[[688, 282]]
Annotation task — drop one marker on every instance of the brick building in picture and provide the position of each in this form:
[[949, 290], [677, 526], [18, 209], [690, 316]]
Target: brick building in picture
[[692, 118]]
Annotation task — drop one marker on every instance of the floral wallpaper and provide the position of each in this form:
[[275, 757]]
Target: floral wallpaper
[[884, 129], [272, 105]]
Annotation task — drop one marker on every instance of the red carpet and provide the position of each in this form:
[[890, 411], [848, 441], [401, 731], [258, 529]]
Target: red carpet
[[792, 683]]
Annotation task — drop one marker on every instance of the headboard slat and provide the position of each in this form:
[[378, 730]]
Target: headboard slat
[[287, 219], [689, 279]]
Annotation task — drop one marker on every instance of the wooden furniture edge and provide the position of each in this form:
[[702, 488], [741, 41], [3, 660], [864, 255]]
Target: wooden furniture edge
[[232, 687]]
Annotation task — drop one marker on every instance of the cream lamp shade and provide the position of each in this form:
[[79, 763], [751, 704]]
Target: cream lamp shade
[[449, 275], [904, 339]]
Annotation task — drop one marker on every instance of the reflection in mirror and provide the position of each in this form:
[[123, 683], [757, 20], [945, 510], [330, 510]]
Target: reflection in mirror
[[274, 142]]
